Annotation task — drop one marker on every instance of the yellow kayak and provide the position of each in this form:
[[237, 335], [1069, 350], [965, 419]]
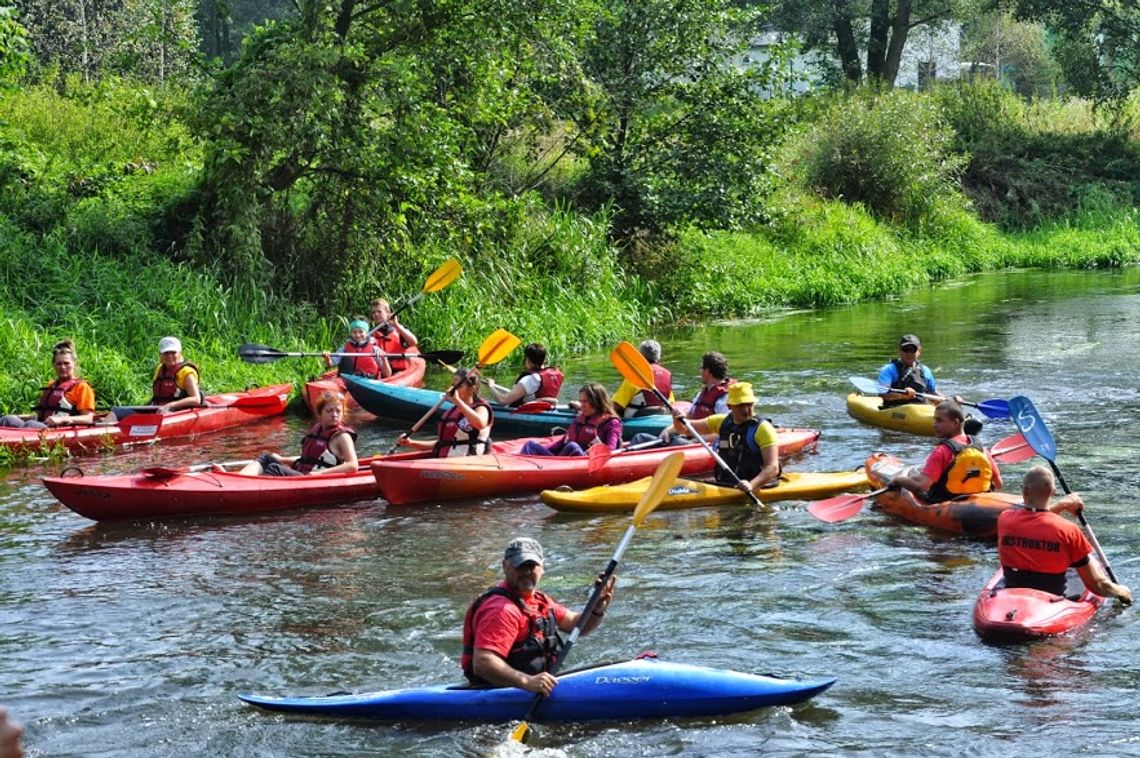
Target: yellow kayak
[[916, 418], [687, 493]]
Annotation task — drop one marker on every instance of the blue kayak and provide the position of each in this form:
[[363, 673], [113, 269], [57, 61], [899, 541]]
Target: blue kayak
[[389, 401], [644, 688]]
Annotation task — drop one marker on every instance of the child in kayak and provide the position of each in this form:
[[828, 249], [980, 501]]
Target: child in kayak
[[367, 360], [536, 382], [595, 424], [465, 427], [390, 335], [67, 401], [328, 448]]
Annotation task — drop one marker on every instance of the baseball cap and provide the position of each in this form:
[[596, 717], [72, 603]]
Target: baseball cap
[[169, 344], [909, 339], [523, 549]]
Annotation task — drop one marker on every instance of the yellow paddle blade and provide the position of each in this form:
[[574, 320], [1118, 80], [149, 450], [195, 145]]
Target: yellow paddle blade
[[521, 732], [633, 367], [497, 347], [442, 276], [663, 478]]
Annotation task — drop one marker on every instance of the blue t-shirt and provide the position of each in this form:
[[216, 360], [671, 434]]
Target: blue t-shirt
[[889, 375]]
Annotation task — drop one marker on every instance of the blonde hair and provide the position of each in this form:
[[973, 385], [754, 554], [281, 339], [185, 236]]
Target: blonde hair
[[64, 347]]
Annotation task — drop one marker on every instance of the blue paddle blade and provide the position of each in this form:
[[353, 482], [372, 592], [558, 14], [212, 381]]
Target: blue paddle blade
[[994, 408], [1029, 422]]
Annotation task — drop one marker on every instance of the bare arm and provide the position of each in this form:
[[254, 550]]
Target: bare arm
[[1098, 582], [344, 448], [489, 666]]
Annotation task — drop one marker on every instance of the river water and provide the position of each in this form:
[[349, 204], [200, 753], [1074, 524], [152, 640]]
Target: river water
[[133, 639]]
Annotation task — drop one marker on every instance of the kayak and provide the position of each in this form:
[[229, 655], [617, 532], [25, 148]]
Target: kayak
[[973, 515], [915, 418], [643, 688], [159, 492], [426, 478], [219, 412], [687, 493], [1003, 614], [330, 381], [397, 403]]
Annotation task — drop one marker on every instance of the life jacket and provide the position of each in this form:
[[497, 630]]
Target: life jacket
[[365, 365], [705, 404], [457, 437], [585, 430], [52, 400], [535, 654], [969, 473], [912, 377], [390, 341], [550, 381], [737, 447], [315, 453], [165, 389], [663, 381]]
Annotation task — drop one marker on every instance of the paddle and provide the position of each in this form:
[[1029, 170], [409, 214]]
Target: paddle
[[440, 278], [535, 406], [663, 479], [253, 353], [635, 369], [1032, 427], [497, 346], [995, 408], [1012, 449], [599, 454], [165, 472], [841, 507]]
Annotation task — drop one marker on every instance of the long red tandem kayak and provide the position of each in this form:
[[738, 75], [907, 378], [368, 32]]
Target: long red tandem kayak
[[412, 376], [219, 412], [1005, 614], [424, 478], [973, 515]]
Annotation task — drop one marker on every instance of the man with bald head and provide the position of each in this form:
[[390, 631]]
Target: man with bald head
[[1037, 546]]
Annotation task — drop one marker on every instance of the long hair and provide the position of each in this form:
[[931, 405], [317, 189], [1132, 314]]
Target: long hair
[[596, 393]]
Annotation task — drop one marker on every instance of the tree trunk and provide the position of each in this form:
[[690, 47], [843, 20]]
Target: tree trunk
[[900, 27], [846, 45], [84, 56], [877, 41]]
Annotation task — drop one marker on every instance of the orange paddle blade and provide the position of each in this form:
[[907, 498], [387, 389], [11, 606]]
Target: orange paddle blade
[[633, 367]]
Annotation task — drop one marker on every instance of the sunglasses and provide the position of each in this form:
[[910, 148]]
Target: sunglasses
[[909, 349]]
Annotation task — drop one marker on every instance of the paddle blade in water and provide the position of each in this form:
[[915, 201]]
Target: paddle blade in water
[[443, 276], [497, 346]]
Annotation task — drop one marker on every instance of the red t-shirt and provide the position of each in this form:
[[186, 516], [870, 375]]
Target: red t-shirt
[[499, 623], [1040, 541], [941, 458]]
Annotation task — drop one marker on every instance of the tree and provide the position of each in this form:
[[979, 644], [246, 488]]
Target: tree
[[14, 48], [1017, 52]]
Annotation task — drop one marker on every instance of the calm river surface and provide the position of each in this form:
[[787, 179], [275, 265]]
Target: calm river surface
[[133, 639]]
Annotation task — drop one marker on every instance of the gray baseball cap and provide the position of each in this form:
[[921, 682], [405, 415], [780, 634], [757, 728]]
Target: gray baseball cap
[[523, 549]]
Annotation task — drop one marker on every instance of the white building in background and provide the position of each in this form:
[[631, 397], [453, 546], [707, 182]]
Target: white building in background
[[931, 52]]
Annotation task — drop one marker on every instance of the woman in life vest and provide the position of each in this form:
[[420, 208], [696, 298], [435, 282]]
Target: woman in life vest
[[67, 401], [465, 427], [595, 424], [328, 448], [176, 384], [957, 466], [390, 335], [366, 359], [536, 382]]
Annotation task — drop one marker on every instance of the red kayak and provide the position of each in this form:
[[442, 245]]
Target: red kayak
[[973, 515], [1004, 614], [420, 477], [219, 412], [412, 376]]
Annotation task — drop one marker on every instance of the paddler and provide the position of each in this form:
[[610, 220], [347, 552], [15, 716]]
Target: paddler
[[465, 427], [1037, 546], [510, 632], [712, 398], [748, 444], [67, 401], [390, 335], [328, 448], [958, 465], [366, 361], [631, 401], [908, 377], [536, 382], [595, 424], [176, 384]]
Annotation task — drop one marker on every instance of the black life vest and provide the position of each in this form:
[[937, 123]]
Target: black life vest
[[705, 404], [585, 430], [908, 377], [455, 431], [365, 365], [390, 341], [52, 400], [165, 389], [534, 654], [549, 384], [315, 453], [969, 473], [738, 449]]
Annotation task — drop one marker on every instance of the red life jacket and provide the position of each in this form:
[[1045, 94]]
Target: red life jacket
[[390, 341], [663, 381], [165, 389], [315, 451], [538, 649], [365, 365], [705, 404], [585, 430], [456, 432], [549, 384], [52, 400]]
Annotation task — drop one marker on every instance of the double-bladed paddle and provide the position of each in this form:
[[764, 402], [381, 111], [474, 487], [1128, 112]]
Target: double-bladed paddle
[[253, 353], [497, 346], [600, 454], [440, 278], [996, 408], [663, 479], [1032, 427], [635, 369], [1012, 449]]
